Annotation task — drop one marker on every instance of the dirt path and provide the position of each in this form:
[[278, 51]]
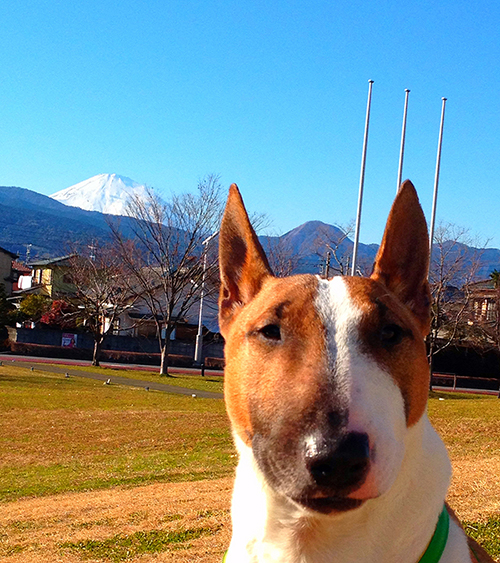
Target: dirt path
[[32, 530]]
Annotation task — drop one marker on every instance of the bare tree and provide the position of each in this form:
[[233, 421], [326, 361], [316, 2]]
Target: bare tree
[[101, 294], [330, 247], [454, 266], [163, 259], [282, 259]]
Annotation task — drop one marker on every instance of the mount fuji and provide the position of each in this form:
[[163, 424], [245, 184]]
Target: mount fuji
[[106, 193]]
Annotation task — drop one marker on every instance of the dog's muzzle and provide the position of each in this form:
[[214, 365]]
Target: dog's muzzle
[[336, 467], [319, 472]]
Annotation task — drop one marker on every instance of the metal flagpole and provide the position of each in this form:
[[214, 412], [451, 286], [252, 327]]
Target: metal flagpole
[[361, 180], [403, 135], [436, 181], [199, 336]]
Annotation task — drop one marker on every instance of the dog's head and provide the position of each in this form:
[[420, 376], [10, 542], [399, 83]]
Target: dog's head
[[325, 377]]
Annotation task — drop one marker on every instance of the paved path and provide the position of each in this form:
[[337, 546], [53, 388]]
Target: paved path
[[41, 364]]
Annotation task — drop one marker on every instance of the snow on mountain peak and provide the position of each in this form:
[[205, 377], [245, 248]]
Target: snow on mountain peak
[[106, 193]]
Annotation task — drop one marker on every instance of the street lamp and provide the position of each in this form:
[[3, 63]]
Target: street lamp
[[199, 337]]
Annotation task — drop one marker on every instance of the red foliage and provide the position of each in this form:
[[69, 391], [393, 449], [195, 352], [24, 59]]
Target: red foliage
[[61, 315]]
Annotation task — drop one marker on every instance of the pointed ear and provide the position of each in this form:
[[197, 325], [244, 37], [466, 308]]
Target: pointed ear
[[402, 261], [243, 263]]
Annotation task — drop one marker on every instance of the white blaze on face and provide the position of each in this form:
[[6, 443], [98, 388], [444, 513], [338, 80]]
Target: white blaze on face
[[375, 402]]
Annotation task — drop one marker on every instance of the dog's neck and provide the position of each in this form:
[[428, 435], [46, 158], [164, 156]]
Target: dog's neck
[[394, 528]]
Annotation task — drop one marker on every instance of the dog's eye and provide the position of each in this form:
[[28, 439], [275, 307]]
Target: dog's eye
[[391, 335], [271, 332]]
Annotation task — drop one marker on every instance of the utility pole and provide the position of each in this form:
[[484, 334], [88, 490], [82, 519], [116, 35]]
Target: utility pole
[[28, 252], [327, 265], [92, 247]]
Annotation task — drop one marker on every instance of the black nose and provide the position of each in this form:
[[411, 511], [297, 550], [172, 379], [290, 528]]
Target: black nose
[[339, 465]]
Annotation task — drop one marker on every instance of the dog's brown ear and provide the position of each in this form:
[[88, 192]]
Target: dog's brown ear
[[402, 261], [243, 263]]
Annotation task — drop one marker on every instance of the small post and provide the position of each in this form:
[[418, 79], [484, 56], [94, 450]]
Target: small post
[[203, 369], [361, 180]]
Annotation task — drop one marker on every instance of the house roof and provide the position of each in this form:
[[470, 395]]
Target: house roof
[[51, 261], [483, 284], [21, 268], [11, 254]]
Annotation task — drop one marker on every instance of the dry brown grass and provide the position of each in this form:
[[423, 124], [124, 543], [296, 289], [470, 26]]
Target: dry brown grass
[[37, 527], [475, 489]]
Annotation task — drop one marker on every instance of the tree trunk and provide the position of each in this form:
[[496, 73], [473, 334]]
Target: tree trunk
[[97, 352], [431, 358], [165, 348]]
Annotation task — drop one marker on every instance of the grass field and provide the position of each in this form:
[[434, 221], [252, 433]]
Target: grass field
[[109, 473], [75, 434]]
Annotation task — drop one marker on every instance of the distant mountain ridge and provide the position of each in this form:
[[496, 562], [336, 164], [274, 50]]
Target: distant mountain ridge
[[52, 228], [30, 218], [310, 242]]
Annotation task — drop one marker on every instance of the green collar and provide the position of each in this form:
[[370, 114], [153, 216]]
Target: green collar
[[438, 541], [437, 544]]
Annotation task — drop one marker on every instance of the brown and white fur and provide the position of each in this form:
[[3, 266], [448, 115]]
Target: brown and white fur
[[326, 386]]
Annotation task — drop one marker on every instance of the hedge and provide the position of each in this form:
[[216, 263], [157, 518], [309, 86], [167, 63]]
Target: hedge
[[119, 356]]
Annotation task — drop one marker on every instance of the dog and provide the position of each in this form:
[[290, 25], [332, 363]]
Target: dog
[[326, 386]]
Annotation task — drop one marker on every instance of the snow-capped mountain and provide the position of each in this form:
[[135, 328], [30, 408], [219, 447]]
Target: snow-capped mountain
[[106, 193]]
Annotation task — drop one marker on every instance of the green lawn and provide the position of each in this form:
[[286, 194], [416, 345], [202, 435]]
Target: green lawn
[[59, 434], [468, 424], [486, 533]]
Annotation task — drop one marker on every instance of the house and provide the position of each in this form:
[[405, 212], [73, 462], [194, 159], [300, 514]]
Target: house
[[484, 297], [51, 277], [137, 319], [21, 276], [6, 278]]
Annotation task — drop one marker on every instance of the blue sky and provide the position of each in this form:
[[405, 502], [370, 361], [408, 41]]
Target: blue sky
[[270, 95]]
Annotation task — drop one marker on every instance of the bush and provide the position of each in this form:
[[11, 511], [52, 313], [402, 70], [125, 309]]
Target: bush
[[33, 307], [27, 349]]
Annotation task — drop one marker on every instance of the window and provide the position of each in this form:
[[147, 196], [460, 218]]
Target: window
[[491, 310]]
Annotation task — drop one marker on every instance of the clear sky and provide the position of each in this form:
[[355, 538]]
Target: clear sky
[[270, 95]]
